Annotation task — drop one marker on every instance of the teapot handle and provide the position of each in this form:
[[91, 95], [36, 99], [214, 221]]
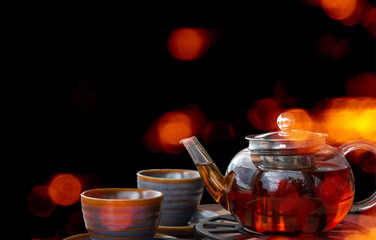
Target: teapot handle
[[368, 146]]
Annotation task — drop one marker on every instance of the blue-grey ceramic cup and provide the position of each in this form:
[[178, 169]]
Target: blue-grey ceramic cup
[[121, 213], [182, 191]]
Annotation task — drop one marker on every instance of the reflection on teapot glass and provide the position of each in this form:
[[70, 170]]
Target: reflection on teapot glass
[[284, 182]]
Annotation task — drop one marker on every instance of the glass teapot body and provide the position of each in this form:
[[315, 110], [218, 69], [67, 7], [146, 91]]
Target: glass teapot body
[[312, 194], [288, 181]]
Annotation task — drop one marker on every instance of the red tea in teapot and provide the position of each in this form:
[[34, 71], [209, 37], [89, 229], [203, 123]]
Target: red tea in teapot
[[284, 182], [291, 201]]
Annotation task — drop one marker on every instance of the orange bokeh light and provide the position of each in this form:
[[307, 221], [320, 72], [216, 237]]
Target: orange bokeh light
[[173, 127], [348, 12], [303, 121], [351, 118], [65, 189], [187, 44], [339, 9], [166, 132], [367, 221]]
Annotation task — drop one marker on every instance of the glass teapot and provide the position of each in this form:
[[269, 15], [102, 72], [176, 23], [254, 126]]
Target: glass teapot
[[289, 181]]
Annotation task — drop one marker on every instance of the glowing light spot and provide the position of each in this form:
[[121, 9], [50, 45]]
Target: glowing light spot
[[264, 113], [339, 9], [188, 44], [302, 119], [351, 118], [65, 189], [325, 45], [369, 22], [341, 49], [361, 85], [39, 201], [369, 235], [366, 161], [173, 127], [166, 132], [366, 220], [331, 46]]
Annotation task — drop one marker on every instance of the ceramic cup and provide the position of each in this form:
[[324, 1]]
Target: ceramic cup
[[121, 213], [182, 191]]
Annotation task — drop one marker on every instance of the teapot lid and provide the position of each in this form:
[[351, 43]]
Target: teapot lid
[[287, 138]]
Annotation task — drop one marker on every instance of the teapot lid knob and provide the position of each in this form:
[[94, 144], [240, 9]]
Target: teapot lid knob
[[286, 122]]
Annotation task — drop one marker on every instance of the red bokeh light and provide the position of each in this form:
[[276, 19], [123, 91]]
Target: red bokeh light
[[341, 49], [65, 189], [39, 201], [264, 113], [364, 159], [325, 45], [368, 163], [331, 46], [339, 9], [348, 12], [187, 44], [218, 132], [369, 22], [361, 85]]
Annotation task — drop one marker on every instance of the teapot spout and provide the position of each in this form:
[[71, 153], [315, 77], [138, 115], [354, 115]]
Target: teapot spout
[[216, 184], [196, 150]]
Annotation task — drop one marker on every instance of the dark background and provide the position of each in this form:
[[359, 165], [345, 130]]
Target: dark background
[[119, 52]]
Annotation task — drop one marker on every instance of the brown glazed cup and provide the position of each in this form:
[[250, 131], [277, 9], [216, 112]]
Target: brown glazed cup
[[182, 191], [121, 213]]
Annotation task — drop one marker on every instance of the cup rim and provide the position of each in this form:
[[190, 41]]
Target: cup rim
[[159, 195], [141, 174]]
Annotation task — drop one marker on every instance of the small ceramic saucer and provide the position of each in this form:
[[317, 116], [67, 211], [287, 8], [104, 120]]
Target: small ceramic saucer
[[187, 230], [85, 236]]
